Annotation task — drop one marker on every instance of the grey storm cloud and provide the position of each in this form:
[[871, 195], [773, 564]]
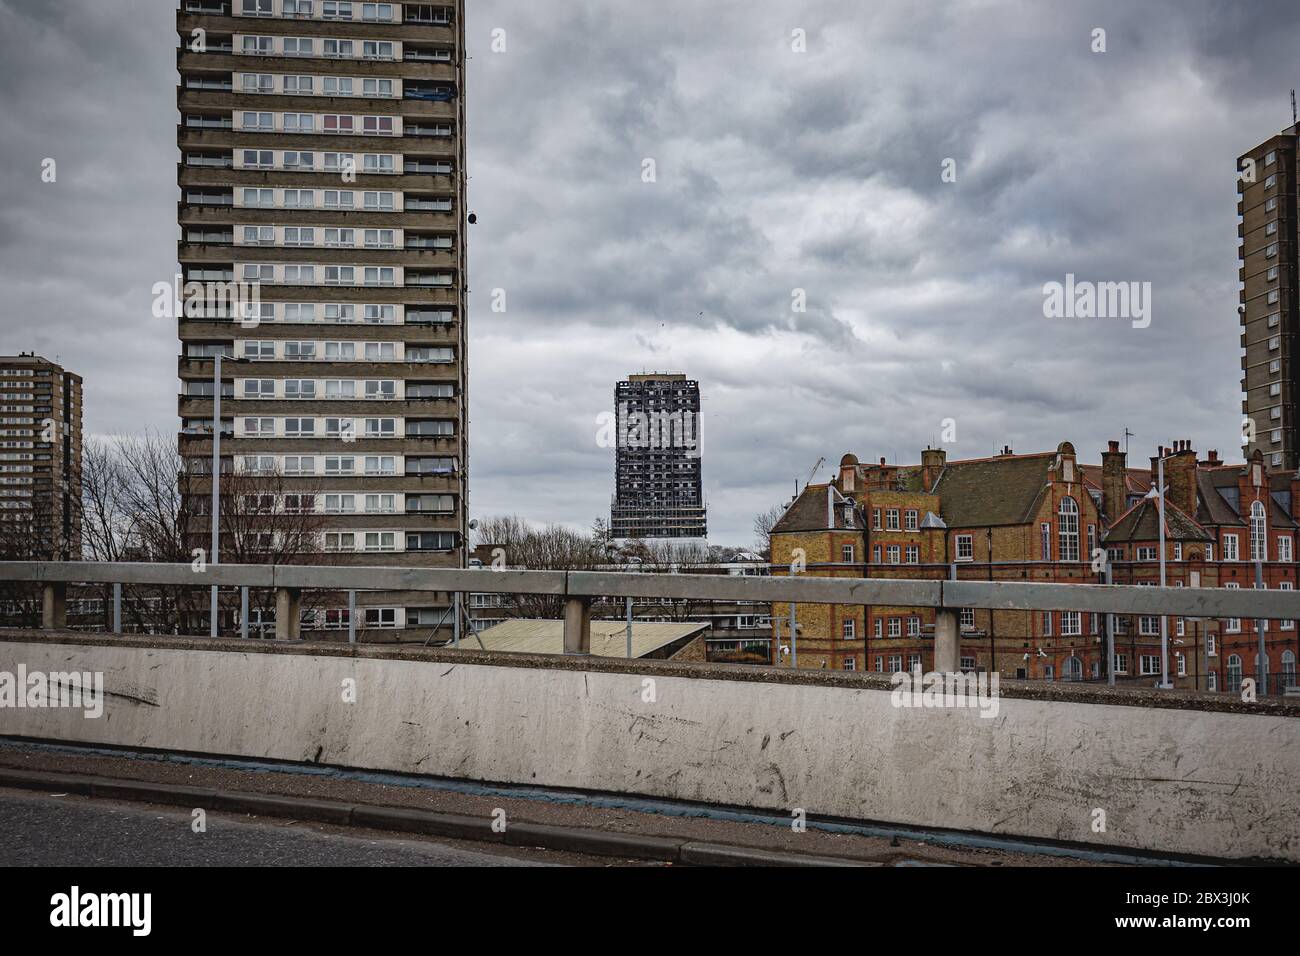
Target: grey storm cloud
[[775, 171]]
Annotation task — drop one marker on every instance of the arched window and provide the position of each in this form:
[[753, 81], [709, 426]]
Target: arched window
[[1288, 669], [1073, 669], [1258, 532], [1068, 529], [1234, 674]]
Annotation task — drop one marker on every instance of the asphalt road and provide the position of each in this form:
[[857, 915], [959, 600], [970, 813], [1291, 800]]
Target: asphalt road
[[47, 830]]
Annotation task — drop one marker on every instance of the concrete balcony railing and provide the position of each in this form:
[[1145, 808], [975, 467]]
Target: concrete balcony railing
[[580, 588], [189, 62]]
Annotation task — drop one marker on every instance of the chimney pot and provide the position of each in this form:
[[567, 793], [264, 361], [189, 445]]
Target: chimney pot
[[1114, 446]]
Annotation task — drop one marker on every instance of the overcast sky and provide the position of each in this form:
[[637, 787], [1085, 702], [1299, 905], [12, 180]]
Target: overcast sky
[[775, 170]]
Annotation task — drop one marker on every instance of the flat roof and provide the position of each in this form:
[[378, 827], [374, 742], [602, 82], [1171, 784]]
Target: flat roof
[[608, 638]]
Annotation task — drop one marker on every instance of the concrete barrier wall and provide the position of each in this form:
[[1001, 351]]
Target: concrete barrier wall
[[1191, 781]]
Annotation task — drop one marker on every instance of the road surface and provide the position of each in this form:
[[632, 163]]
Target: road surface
[[46, 830]]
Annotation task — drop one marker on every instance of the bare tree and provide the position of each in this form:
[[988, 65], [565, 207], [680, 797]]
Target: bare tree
[[552, 548], [763, 524]]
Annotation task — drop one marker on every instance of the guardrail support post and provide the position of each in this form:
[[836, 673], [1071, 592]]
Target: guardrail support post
[[352, 617], [243, 613], [947, 641], [54, 606], [577, 625], [117, 608], [288, 614]]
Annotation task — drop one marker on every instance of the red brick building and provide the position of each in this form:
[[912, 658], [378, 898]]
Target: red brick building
[[1044, 517]]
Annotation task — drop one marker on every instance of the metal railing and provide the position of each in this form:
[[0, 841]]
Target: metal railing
[[579, 589]]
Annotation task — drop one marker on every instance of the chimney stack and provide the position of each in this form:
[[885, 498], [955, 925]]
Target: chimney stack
[[1114, 482]]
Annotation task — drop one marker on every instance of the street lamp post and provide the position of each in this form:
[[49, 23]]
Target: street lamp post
[[1164, 621], [216, 481], [216, 484]]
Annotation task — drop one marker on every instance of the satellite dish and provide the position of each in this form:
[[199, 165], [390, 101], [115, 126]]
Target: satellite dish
[[473, 218]]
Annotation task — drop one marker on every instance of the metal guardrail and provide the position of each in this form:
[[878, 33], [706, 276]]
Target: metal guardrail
[[579, 588]]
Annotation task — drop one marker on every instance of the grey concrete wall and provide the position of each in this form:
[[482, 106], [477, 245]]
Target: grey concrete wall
[[1192, 781]]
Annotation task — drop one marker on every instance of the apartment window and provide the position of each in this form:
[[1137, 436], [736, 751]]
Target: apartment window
[[965, 547], [298, 46], [846, 554], [340, 388], [1270, 157], [443, 504], [340, 351], [1121, 663], [260, 46], [340, 465], [379, 617], [339, 199], [299, 198], [379, 164], [891, 519], [910, 520], [337, 162], [340, 540], [377, 50], [381, 504], [1148, 664], [299, 465], [850, 664], [258, 83], [340, 275], [299, 351], [300, 428], [300, 275], [1286, 624], [1232, 625], [380, 275], [894, 553], [264, 198], [257, 8], [1145, 553], [848, 629], [299, 388], [377, 11], [259, 122], [1230, 552], [1045, 541], [1071, 624], [259, 464], [380, 238], [259, 427], [336, 10], [338, 48], [1272, 273], [299, 312], [1284, 549], [1270, 251], [1275, 366], [895, 663], [1270, 228], [913, 554], [968, 663], [335, 123], [1271, 181], [875, 519], [299, 236], [1210, 650], [337, 85], [913, 627], [1148, 626], [385, 390], [877, 628], [968, 618], [258, 159], [895, 627], [377, 87], [430, 541], [381, 427], [299, 160], [377, 125], [259, 388], [382, 202]]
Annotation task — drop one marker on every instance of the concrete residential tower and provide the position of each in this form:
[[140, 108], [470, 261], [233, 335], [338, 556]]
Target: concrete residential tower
[[40, 460], [659, 490], [1267, 228], [322, 158]]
